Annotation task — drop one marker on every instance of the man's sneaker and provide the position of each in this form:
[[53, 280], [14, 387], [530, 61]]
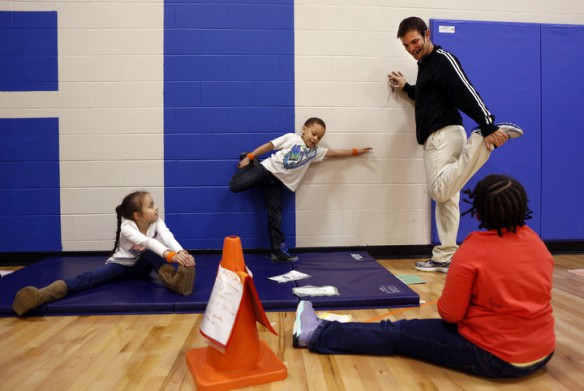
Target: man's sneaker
[[511, 130], [432, 266], [282, 254], [304, 325], [253, 163]]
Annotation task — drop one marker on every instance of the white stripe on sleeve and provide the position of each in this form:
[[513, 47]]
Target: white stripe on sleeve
[[466, 82]]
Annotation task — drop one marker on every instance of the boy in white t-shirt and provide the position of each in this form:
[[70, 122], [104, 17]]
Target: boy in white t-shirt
[[285, 167]]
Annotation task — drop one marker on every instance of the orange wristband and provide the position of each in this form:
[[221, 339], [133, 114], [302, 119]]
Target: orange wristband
[[169, 256], [355, 152], [250, 156]]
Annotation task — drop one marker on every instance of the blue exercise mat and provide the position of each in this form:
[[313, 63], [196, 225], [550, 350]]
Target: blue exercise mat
[[361, 281]]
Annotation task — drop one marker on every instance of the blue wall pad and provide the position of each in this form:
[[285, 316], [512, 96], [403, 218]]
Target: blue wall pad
[[360, 280], [30, 185], [28, 51], [228, 88], [502, 60], [361, 283], [562, 212]]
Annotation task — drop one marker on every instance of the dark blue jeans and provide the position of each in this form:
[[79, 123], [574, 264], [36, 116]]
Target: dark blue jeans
[[113, 271], [430, 340], [249, 177]]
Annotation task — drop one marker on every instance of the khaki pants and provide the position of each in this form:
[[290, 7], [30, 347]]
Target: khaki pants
[[450, 161]]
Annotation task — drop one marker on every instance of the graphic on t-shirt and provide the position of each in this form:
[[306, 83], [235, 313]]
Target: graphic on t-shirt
[[298, 156]]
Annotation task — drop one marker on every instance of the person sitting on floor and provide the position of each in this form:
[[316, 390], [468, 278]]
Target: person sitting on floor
[[494, 323], [143, 242]]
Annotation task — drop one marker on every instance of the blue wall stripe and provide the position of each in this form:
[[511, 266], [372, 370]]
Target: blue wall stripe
[[562, 118], [228, 87], [28, 51], [30, 186], [519, 101]]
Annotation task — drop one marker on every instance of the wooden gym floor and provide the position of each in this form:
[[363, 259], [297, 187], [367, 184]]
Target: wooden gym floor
[[147, 352]]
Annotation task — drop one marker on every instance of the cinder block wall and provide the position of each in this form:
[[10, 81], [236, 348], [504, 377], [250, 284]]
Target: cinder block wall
[[343, 52], [108, 132]]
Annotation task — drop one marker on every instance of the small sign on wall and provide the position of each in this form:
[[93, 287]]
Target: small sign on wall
[[447, 29]]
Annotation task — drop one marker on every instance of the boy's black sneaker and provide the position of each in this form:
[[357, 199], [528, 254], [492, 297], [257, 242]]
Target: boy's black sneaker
[[282, 254]]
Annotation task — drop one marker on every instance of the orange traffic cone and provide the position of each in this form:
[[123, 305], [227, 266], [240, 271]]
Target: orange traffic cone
[[246, 360]]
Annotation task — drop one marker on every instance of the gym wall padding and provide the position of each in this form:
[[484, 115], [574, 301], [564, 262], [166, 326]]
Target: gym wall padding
[[30, 184], [28, 51], [502, 60], [562, 213], [29, 147], [228, 88]]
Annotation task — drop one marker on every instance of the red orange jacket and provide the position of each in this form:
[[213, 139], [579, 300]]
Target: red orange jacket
[[498, 290]]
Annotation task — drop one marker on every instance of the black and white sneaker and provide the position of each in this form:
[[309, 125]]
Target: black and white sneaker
[[510, 129], [432, 266]]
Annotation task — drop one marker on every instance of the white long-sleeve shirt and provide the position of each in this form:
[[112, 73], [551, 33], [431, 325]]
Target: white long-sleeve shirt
[[133, 243]]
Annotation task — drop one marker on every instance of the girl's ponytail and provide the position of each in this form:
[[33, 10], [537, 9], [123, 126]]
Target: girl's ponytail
[[132, 203], [119, 228]]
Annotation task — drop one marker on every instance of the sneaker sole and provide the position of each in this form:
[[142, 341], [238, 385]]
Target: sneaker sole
[[511, 130], [432, 269], [187, 279], [25, 300]]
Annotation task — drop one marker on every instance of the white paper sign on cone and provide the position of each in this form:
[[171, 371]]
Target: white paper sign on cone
[[222, 308]]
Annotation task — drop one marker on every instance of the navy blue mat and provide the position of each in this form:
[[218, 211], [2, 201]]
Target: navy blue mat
[[361, 281]]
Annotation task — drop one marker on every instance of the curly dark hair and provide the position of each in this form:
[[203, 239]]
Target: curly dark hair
[[500, 202]]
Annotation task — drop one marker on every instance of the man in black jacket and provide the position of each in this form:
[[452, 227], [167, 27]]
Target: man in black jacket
[[441, 90]]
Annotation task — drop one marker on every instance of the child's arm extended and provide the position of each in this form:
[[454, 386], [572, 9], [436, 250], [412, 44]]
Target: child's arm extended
[[267, 147], [182, 257], [347, 152]]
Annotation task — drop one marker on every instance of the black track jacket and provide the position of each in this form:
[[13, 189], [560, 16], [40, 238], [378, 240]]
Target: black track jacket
[[441, 89]]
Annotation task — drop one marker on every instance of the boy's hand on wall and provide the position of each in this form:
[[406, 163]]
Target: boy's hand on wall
[[361, 151]]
